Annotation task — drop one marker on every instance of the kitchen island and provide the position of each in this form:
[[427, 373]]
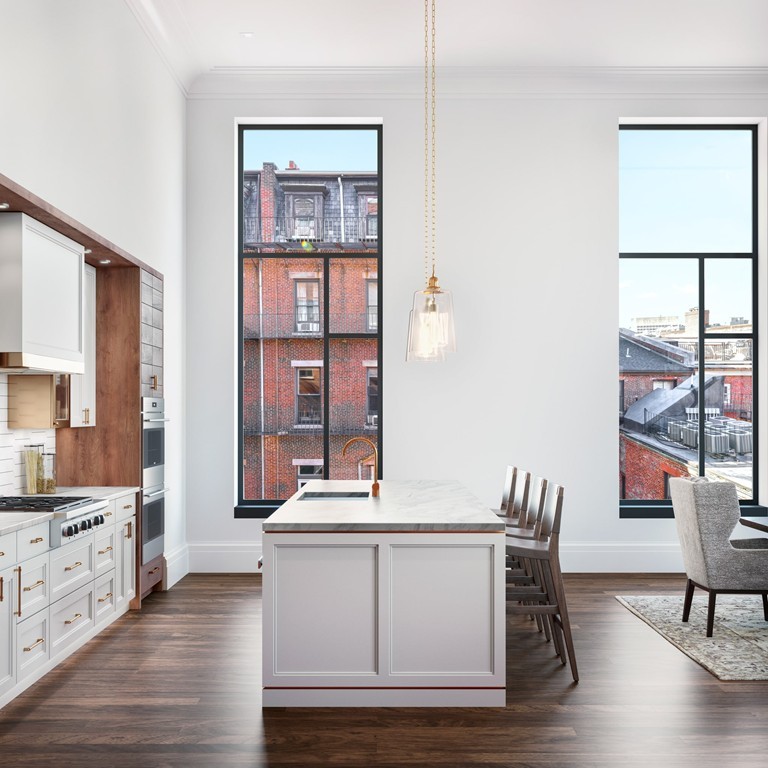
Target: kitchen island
[[389, 601]]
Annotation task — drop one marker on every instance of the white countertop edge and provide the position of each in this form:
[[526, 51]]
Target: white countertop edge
[[17, 521]]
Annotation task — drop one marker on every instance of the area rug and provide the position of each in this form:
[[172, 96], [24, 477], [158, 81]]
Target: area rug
[[738, 649]]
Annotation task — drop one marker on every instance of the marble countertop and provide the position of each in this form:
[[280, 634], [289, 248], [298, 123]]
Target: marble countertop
[[16, 521], [415, 505], [108, 492]]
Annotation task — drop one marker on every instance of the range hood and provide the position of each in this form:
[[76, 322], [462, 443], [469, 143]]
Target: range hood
[[41, 298]]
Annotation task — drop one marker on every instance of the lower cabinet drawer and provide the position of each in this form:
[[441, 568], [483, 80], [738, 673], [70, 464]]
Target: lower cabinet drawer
[[32, 644], [71, 567], [71, 618], [104, 593], [34, 586], [105, 550], [151, 574], [7, 550], [125, 507]]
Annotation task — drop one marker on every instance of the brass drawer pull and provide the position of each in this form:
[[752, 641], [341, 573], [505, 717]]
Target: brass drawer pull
[[72, 567], [38, 583], [18, 586], [104, 551], [154, 570], [74, 618], [40, 641], [127, 506], [153, 379], [105, 598], [37, 540], [129, 534], [1, 589], [107, 514], [2, 554]]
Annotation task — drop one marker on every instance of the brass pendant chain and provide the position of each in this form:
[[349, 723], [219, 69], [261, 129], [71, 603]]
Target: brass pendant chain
[[430, 151]]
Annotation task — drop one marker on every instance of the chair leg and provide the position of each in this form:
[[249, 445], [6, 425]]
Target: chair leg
[[711, 612], [557, 582], [765, 605], [689, 587]]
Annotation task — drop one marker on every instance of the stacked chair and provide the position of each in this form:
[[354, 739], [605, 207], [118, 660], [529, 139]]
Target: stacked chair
[[532, 508]]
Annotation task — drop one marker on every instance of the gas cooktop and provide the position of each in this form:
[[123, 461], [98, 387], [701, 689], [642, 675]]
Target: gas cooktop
[[42, 503]]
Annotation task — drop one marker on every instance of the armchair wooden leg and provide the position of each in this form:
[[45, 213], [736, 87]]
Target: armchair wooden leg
[[711, 612], [765, 605], [689, 587]]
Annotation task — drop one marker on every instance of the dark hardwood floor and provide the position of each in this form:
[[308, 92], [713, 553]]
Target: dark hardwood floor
[[178, 684]]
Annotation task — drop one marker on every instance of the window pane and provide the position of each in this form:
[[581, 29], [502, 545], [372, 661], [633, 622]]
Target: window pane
[[350, 296], [685, 191], [657, 359], [353, 405], [728, 296]]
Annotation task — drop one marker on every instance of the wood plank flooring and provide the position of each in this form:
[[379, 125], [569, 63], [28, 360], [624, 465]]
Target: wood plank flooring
[[178, 686]]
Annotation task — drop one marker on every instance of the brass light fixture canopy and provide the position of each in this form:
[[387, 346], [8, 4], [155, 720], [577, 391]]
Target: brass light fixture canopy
[[431, 333]]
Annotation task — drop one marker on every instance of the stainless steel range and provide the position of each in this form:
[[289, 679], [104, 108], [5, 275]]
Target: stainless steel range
[[74, 516]]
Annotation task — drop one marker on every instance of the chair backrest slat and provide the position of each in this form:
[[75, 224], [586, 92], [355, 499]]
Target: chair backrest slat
[[552, 509], [532, 515], [509, 487], [519, 498]]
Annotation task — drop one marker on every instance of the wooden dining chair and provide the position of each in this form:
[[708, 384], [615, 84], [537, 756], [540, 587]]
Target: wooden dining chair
[[546, 596]]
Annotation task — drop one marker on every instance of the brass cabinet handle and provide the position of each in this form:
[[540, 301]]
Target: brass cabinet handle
[[104, 551], [154, 570], [86, 415], [125, 506], [105, 598], [18, 585], [37, 540], [107, 514], [129, 534], [1, 589], [40, 640], [38, 583], [2, 554], [72, 567], [74, 618], [153, 379]]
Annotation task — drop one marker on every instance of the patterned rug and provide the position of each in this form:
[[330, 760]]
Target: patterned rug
[[738, 649]]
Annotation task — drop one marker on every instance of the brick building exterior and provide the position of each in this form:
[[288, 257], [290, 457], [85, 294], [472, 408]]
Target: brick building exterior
[[659, 404], [301, 230]]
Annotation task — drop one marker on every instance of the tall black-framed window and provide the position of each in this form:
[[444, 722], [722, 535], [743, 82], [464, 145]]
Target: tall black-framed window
[[689, 310], [306, 327]]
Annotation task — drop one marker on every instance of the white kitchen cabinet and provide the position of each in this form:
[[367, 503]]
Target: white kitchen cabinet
[[35, 592], [41, 297], [125, 564], [82, 391], [32, 644], [7, 630]]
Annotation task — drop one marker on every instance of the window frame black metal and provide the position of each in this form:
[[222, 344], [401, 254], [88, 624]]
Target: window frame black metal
[[261, 508], [649, 508]]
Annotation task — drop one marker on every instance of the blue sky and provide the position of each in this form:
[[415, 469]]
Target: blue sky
[[311, 150], [684, 191]]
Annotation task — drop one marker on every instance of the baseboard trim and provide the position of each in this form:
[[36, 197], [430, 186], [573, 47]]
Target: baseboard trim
[[176, 565], [621, 557], [224, 557]]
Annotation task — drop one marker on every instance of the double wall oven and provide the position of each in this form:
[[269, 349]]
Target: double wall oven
[[153, 488]]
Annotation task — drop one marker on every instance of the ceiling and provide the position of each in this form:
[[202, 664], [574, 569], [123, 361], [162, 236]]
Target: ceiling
[[196, 37]]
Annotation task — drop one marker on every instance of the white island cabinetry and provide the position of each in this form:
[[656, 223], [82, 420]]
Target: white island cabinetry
[[395, 601]]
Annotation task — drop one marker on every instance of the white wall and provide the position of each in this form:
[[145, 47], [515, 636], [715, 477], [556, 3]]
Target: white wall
[[92, 122], [528, 244]]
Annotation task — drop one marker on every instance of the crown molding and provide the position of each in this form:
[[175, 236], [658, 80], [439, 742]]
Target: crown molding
[[176, 50], [281, 83]]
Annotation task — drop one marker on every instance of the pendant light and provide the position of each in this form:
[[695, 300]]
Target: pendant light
[[430, 327]]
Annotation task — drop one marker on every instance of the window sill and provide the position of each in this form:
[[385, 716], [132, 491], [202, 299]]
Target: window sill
[[663, 511]]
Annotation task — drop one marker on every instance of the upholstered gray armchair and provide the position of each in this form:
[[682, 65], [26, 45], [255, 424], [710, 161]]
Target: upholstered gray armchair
[[706, 513]]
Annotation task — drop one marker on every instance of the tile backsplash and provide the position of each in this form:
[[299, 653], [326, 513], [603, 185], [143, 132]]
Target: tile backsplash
[[12, 442]]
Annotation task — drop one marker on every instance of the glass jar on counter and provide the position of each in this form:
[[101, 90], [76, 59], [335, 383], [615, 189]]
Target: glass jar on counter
[[33, 465], [47, 482]]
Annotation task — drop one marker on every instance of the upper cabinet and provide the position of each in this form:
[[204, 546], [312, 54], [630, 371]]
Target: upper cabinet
[[41, 297], [82, 398]]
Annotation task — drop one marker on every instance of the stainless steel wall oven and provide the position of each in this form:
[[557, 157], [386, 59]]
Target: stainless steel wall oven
[[153, 478]]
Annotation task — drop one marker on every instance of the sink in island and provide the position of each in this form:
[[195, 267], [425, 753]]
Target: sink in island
[[389, 601]]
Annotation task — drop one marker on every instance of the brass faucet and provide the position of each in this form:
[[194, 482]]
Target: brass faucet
[[375, 486]]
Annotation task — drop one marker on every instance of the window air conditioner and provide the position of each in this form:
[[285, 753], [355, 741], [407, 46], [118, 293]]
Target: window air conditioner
[[306, 327]]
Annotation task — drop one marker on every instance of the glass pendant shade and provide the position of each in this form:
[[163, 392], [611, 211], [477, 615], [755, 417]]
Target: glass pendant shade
[[430, 327]]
